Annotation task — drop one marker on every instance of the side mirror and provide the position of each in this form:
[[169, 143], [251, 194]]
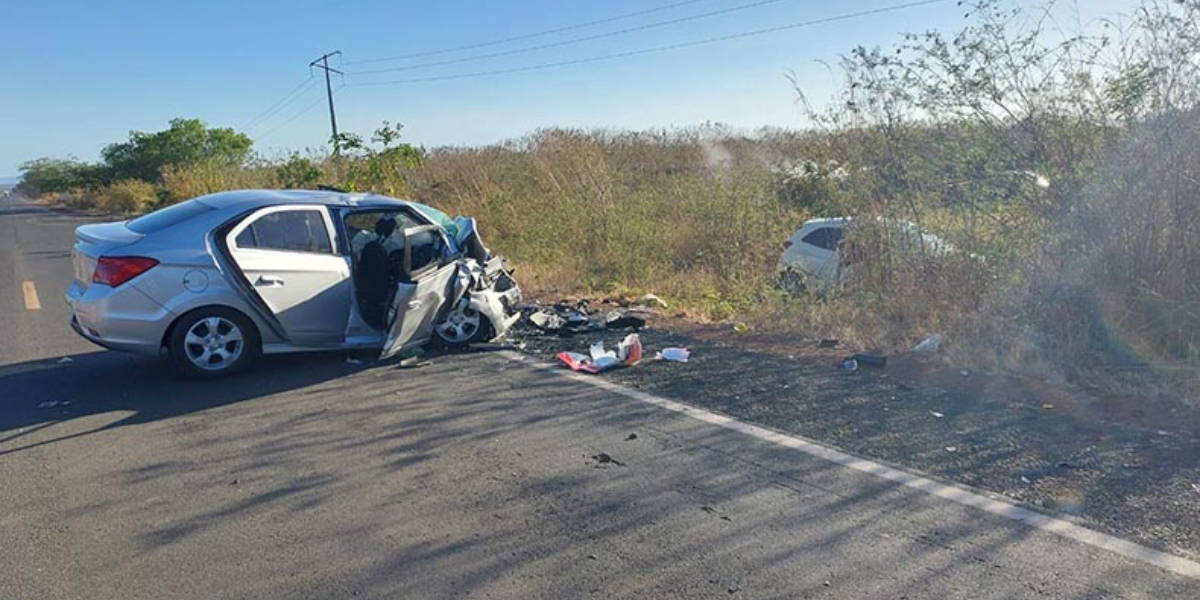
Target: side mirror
[[424, 248]]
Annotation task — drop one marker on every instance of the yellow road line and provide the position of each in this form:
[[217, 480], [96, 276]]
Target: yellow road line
[[31, 297]]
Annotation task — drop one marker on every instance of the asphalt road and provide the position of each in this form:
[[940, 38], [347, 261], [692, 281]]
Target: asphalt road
[[475, 476]]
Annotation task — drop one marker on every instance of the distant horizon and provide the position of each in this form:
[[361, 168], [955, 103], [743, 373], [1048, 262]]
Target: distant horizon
[[74, 100]]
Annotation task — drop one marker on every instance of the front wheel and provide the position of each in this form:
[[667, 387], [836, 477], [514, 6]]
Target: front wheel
[[213, 342], [462, 327]]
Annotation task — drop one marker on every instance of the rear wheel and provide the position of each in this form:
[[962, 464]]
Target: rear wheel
[[462, 327], [213, 342]]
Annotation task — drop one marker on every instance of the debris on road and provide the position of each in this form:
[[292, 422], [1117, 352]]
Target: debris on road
[[828, 343], [673, 354], [54, 403], [735, 587], [740, 328], [603, 458], [850, 364], [936, 414], [628, 353], [350, 360], [929, 345], [951, 449], [569, 319], [65, 359], [651, 301], [632, 436], [869, 360]]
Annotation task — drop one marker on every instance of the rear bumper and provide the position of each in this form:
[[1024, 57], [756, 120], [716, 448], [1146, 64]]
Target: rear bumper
[[122, 319]]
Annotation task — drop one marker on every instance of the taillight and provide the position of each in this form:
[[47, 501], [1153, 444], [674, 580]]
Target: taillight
[[115, 270], [786, 245]]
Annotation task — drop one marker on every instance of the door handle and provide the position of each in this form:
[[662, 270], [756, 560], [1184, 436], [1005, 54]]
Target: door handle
[[268, 281]]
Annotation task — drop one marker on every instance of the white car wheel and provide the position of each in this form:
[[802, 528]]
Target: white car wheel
[[462, 326]]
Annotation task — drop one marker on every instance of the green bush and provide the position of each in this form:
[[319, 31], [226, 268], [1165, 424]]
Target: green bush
[[128, 197]]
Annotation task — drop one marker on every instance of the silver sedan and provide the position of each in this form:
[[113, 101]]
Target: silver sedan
[[218, 280]]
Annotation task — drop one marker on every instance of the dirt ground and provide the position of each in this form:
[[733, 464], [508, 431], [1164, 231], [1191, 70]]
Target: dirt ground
[[1116, 463]]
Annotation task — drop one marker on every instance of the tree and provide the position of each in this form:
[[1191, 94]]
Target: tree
[[185, 142], [48, 175]]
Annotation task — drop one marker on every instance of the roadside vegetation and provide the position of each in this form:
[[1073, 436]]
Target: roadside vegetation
[[1064, 166]]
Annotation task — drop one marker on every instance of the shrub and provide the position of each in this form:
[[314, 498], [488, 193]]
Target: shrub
[[128, 197]]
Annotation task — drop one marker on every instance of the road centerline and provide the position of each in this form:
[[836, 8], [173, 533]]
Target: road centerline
[[31, 296], [958, 495]]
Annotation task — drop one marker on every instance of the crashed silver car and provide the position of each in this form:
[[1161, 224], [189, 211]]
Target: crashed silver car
[[218, 280]]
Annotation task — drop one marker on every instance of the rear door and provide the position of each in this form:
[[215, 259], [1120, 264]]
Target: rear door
[[422, 292], [288, 255], [820, 250]]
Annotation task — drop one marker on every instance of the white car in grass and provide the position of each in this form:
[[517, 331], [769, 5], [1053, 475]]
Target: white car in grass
[[813, 257]]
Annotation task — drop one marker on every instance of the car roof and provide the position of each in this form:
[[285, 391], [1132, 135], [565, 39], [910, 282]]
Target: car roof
[[261, 198]]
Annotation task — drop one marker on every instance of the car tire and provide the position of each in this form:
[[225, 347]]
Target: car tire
[[792, 283], [213, 342], [461, 327]]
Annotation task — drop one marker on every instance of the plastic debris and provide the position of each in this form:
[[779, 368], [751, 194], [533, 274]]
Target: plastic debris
[[673, 354], [740, 327], [603, 458], [54, 403], [965, 373], [929, 345], [1047, 406], [850, 364], [936, 414], [628, 352], [350, 360], [652, 301], [951, 449], [735, 587], [64, 360], [870, 360]]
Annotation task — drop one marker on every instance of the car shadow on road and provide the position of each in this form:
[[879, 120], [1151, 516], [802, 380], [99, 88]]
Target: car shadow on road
[[43, 394]]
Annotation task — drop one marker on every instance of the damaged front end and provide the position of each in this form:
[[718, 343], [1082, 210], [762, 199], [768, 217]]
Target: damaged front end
[[484, 303]]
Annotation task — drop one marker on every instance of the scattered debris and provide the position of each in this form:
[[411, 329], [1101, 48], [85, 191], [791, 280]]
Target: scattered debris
[[936, 414], [604, 458], [414, 362], [929, 345], [628, 352], [65, 359], [1047, 406], [965, 373], [632, 436], [53, 403], [951, 449], [673, 354], [234, 482], [593, 557], [869, 360], [740, 328], [350, 360], [1025, 479], [622, 320], [652, 301], [735, 587], [829, 343], [850, 364], [1196, 486]]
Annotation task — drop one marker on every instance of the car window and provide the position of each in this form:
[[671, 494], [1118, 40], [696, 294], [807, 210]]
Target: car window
[[825, 237], [293, 230], [166, 217]]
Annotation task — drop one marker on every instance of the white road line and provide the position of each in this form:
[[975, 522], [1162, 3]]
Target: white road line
[[31, 297], [1000, 508]]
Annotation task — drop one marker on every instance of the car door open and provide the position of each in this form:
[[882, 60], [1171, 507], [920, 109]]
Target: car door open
[[422, 290], [287, 256]]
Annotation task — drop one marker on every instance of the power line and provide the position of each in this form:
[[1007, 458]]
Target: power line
[[527, 36], [569, 42], [304, 111], [711, 40], [280, 104]]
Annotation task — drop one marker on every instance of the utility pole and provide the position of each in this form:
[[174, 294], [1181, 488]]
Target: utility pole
[[324, 60]]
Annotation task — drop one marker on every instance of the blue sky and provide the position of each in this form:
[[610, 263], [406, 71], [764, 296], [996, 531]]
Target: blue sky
[[78, 75]]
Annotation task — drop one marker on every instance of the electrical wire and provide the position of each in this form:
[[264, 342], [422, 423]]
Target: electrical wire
[[303, 111], [598, 36], [282, 103], [629, 53], [526, 36]]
